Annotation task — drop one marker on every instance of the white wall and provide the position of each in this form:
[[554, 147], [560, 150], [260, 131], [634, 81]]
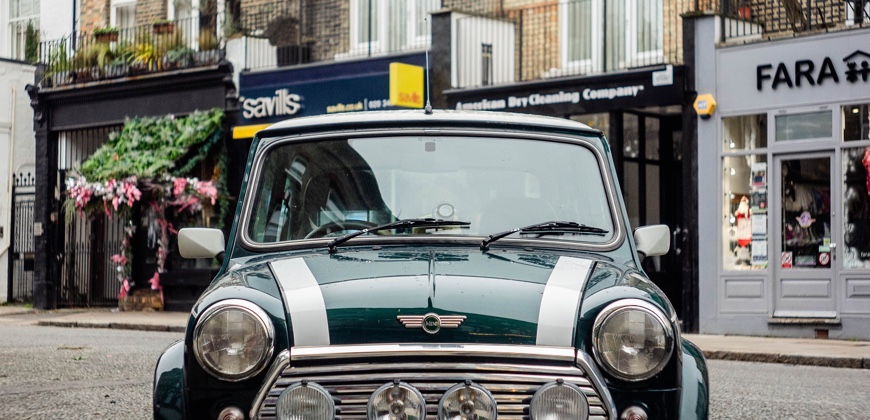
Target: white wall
[[16, 147]]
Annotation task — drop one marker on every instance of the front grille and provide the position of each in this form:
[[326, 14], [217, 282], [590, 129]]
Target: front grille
[[512, 385]]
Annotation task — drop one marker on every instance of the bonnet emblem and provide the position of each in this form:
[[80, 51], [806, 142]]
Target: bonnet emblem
[[431, 322]]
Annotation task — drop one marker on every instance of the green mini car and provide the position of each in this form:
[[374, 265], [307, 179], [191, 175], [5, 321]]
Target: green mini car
[[430, 265]]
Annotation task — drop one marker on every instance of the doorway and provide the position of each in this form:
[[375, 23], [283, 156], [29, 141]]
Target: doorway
[[804, 225]]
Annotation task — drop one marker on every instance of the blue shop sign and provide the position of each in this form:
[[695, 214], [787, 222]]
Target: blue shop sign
[[267, 97]]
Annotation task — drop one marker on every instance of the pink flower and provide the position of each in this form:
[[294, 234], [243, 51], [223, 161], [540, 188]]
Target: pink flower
[[179, 185], [155, 282], [125, 287], [207, 189], [115, 202], [119, 259]]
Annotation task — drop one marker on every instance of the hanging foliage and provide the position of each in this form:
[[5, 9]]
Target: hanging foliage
[[151, 158]]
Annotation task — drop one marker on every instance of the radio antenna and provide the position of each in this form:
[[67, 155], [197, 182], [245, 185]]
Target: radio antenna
[[428, 109]]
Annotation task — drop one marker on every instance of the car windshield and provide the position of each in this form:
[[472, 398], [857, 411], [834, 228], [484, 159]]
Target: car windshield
[[333, 187]]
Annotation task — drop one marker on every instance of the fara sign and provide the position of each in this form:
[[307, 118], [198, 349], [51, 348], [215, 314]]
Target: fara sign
[[794, 72]]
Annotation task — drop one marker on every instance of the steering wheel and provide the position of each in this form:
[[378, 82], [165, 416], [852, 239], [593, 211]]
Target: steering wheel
[[343, 225]]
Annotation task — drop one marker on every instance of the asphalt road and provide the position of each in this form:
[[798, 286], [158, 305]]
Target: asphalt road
[[81, 373], [77, 373], [746, 390]]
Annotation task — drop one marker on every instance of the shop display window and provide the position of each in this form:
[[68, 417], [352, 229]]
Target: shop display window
[[856, 122], [806, 212], [856, 207], [804, 126], [745, 132], [744, 212]]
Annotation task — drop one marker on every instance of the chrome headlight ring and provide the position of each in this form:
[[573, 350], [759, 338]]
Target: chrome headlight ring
[[632, 340], [253, 321]]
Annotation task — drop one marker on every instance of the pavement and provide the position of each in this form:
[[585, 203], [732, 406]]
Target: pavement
[[797, 351]]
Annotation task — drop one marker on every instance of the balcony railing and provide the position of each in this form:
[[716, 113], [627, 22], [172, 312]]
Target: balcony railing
[[773, 19], [109, 54], [577, 37], [289, 33]]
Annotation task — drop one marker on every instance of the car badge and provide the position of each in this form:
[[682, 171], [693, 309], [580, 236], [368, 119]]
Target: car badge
[[431, 322]]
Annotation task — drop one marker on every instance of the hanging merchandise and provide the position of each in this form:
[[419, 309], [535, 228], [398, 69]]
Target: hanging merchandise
[[744, 225]]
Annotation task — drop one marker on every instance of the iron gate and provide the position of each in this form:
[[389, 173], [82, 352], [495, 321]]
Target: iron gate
[[87, 273], [21, 267]]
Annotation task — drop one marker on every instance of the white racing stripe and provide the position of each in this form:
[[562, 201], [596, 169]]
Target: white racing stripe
[[560, 302], [303, 301]]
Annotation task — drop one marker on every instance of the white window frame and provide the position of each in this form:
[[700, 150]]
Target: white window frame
[[850, 14], [383, 30], [566, 20], [633, 53], [190, 25], [357, 45], [413, 40], [17, 29], [117, 4]]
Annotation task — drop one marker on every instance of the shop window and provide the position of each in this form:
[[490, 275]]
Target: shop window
[[856, 207], [856, 122], [804, 126], [651, 139], [744, 212], [806, 212], [601, 121], [745, 132], [631, 136]]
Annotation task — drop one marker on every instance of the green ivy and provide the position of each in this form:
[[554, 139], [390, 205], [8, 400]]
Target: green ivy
[[149, 147]]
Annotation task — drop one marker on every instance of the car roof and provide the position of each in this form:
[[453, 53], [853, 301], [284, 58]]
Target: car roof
[[417, 117]]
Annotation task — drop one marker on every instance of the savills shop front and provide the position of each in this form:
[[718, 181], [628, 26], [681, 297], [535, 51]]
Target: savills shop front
[[784, 202]]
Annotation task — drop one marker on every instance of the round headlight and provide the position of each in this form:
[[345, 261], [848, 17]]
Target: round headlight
[[559, 400], [397, 401], [632, 339], [305, 401], [233, 340], [467, 401]]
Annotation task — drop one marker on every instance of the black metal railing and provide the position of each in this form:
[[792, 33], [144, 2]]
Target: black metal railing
[[282, 33], [20, 270], [759, 18], [107, 53]]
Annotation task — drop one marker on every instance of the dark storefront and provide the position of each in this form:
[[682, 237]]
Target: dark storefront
[[641, 113], [72, 257]]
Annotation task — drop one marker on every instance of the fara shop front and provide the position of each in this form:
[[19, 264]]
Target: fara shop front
[[785, 188]]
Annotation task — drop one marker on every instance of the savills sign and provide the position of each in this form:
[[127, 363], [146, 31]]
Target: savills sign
[[854, 68], [283, 103]]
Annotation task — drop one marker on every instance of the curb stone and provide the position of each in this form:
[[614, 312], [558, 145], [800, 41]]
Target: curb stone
[[112, 325], [838, 362]]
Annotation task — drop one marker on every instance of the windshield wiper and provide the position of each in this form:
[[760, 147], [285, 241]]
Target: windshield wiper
[[404, 223], [545, 228]]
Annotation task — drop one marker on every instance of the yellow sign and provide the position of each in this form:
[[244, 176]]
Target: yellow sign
[[247, 131], [406, 85]]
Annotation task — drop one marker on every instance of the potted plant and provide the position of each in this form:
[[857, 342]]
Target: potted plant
[[106, 34], [163, 26]]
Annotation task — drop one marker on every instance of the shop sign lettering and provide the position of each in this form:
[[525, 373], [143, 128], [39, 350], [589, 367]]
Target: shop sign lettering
[[561, 97], [282, 103], [855, 69]]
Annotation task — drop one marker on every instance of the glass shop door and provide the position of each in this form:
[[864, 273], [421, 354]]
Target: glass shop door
[[804, 227]]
